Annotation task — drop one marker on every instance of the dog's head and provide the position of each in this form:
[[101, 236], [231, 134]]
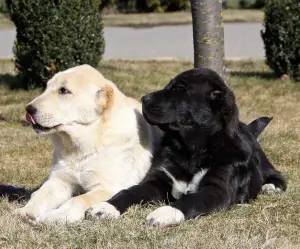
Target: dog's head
[[195, 100], [75, 97]]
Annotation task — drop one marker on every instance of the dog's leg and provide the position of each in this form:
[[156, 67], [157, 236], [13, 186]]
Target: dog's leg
[[189, 206], [74, 209], [49, 196], [213, 195], [156, 186], [274, 182]]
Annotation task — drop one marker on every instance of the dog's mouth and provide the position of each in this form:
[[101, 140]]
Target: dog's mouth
[[154, 115], [36, 126], [156, 119], [150, 117]]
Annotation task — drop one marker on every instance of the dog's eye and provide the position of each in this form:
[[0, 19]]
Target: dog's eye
[[63, 91]]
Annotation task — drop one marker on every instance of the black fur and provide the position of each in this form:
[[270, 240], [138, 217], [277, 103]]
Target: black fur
[[258, 125], [21, 194], [199, 116], [14, 193]]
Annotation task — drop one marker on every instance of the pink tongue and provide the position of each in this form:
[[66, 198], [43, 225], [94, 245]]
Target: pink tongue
[[29, 118]]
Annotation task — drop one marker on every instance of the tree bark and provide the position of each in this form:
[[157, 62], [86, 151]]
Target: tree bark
[[208, 34]]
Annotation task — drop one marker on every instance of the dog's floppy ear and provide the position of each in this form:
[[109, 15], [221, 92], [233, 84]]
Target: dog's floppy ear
[[105, 97]]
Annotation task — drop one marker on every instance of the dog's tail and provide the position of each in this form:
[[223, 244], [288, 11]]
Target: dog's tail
[[14, 193], [257, 126]]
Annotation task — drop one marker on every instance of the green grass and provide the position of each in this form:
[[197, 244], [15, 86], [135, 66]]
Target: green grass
[[269, 222], [159, 19]]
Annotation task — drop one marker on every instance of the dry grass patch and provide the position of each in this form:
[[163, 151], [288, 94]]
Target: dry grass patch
[[269, 222], [158, 19]]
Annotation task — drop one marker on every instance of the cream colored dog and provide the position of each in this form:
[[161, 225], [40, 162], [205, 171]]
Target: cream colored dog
[[102, 144]]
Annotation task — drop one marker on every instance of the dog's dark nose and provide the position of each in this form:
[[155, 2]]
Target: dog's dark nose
[[30, 109], [146, 99]]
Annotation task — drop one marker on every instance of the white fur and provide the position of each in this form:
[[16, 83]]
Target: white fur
[[270, 189], [102, 211], [180, 187], [100, 152], [194, 183], [70, 211], [165, 216]]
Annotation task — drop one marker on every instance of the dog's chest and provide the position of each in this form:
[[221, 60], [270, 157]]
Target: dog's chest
[[182, 187], [109, 168]]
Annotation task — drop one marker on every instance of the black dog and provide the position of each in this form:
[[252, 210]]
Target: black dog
[[208, 159]]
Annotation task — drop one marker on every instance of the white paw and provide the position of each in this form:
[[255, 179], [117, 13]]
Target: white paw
[[20, 211], [61, 216], [270, 189], [165, 216], [69, 212], [102, 211], [26, 212]]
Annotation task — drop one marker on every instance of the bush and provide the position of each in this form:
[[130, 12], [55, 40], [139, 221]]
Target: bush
[[259, 4], [102, 4], [247, 4], [281, 36], [152, 5], [53, 35], [165, 5], [3, 6], [243, 4]]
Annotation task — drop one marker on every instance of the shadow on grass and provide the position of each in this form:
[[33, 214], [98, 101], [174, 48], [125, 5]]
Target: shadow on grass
[[261, 75], [11, 81]]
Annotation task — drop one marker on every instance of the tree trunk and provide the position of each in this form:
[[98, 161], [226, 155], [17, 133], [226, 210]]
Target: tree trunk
[[208, 34]]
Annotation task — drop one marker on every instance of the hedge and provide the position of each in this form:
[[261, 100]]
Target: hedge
[[281, 36], [53, 35]]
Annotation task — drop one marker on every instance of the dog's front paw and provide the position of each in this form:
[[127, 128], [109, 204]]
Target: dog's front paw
[[270, 189], [102, 211], [165, 216], [61, 216], [26, 212], [69, 212]]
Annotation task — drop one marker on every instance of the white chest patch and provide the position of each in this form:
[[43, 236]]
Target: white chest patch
[[181, 187], [194, 183]]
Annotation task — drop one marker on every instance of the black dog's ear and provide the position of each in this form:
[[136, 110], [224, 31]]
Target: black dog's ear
[[257, 126], [215, 95]]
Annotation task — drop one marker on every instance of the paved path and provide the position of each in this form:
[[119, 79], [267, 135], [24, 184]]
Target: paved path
[[242, 40]]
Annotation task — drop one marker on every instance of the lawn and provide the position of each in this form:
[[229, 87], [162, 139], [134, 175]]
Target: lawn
[[269, 222], [159, 19]]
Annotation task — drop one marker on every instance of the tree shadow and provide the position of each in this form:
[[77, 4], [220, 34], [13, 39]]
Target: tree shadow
[[11, 81], [262, 75]]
